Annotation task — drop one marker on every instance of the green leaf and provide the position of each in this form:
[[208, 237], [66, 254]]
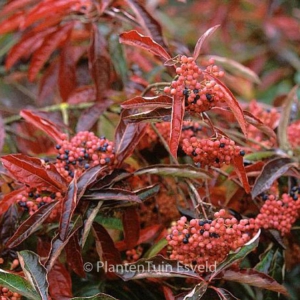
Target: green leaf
[[197, 292], [156, 248], [257, 156], [35, 272], [109, 222], [265, 261], [18, 284], [240, 254], [186, 171]]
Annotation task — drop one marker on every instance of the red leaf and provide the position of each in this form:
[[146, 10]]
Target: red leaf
[[48, 82], [232, 103], [147, 102], [134, 38], [82, 94], [60, 282], [168, 293], [105, 246], [69, 204], [176, 124], [67, 72], [12, 22], [14, 5], [255, 278], [45, 125], [50, 43], [2, 133], [74, 257], [99, 63], [28, 43], [9, 199], [131, 226], [31, 224], [240, 170], [91, 115], [150, 25], [127, 136], [33, 173], [202, 39]]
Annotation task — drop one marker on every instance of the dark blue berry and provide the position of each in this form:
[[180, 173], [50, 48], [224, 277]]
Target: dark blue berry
[[58, 146]]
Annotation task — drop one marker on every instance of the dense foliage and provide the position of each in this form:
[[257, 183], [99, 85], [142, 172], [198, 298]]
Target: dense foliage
[[141, 161]]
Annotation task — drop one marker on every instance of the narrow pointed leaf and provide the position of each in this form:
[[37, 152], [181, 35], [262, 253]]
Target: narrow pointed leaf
[[134, 38], [31, 224], [186, 171], [240, 170], [202, 39], [272, 170], [285, 119], [176, 124], [156, 248], [51, 42], [197, 292], [45, 125], [13, 6], [82, 94], [255, 278], [147, 102], [131, 226], [112, 194], [31, 171], [151, 115], [149, 24], [155, 267], [99, 63], [100, 296], [9, 199], [11, 23], [18, 284], [2, 133], [35, 272], [69, 204]]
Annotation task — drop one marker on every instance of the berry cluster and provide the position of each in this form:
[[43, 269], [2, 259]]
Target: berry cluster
[[200, 92], [279, 214], [293, 133], [207, 242], [134, 254], [269, 117], [85, 150], [32, 199], [211, 152], [6, 294]]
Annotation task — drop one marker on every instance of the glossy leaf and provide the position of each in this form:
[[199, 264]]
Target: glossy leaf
[[34, 272], [60, 282], [31, 224], [57, 245], [147, 102], [149, 24], [197, 292], [99, 63], [105, 245], [134, 38], [151, 115], [186, 171], [147, 192], [285, 118], [45, 125], [100, 296], [155, 267], [202, 39], [270, 172], [176, 124], [91, 115], [32, 172], [131, 226], [156, 248], [51, 42], [68, 204], [112, 194], [9, 199], [74, 256], [127, 137], [18, 284], [240, 170], [255, 278]]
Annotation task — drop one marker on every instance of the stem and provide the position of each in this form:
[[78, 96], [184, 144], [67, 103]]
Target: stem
[[154, 85]]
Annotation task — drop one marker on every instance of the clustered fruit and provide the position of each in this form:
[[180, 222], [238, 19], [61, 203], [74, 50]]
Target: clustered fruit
[[279, 214], [134, 254], [82, 152], [196, 86], [293, 133], [6, 294], [211, 152], [269, 117], [34, 198], [208, 242]]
